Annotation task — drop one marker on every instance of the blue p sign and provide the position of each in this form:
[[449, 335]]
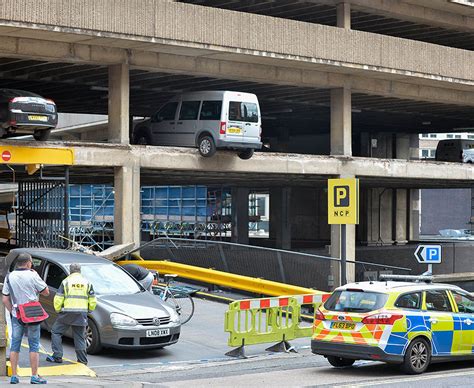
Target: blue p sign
[[429, 254]]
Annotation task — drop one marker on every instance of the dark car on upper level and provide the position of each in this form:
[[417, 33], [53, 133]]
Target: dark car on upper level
[[26, 113]]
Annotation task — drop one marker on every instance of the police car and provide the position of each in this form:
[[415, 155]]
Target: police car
[[404, 322]]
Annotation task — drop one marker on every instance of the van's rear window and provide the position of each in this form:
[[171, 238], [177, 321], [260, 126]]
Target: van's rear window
[[355, 301], [243, 111]]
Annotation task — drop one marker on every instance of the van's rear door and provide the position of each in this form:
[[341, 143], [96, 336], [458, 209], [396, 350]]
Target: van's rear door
[[243, 124]]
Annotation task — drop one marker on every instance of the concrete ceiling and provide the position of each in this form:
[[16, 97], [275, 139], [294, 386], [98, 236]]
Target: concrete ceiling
[[83, 88], [311, 12]]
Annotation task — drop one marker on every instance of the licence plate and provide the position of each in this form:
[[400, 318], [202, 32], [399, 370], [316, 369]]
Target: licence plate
[[343, 325], [38, 118], [234, 130], [157, 332]]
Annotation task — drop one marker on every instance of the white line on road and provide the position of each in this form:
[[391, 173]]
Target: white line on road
[[410, 379]]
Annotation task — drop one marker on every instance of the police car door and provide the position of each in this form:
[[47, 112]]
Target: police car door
[[465, 317], [441, 321]]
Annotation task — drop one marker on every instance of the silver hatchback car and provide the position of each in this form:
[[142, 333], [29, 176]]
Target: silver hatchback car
[[126, 316]]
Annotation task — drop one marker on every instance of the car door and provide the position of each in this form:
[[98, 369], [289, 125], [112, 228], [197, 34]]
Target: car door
[[163, 124], [53, 276], [186, 125], [465, 317], [441, 322]]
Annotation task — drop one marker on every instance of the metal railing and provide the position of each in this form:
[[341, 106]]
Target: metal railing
[[297, 268]]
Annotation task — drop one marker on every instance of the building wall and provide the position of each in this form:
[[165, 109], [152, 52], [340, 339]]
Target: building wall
[[445, 209]]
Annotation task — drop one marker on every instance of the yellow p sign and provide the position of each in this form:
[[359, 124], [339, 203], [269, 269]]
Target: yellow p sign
[[343, 201]]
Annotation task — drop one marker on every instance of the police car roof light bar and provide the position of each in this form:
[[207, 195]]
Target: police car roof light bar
[[406, 278]]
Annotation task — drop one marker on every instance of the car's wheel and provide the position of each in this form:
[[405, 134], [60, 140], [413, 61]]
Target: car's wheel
[[142, 136], [417, 357], [340, 362], [42, 135], [206, 145], [247, 154], [92, 338]]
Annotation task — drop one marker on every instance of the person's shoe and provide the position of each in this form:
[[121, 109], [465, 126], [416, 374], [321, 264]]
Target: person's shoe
[[57, 360], [37, 380], [14, 380], [82, 362]]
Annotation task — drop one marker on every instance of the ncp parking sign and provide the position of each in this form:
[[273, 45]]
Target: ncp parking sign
[[428, 254], [343, 201]]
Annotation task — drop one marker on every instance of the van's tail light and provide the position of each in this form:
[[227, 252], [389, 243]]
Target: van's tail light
[[222, 128], [319, 315], [381, 319]]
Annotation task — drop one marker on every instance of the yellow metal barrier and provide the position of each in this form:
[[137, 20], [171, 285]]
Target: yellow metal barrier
[[10, 154], [224, 279], [268, 320]]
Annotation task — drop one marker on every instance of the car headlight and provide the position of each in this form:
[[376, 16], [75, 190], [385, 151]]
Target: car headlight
[[174, 316], [120, 320]]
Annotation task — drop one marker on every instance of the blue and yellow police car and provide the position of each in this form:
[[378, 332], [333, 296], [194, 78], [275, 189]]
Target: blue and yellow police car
[[409, 323]]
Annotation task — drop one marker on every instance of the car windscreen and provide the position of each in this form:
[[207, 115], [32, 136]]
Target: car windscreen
[[355, 301], [109, 279]]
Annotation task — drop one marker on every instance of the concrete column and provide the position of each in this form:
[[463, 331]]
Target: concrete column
[[127, 204], [414, 222], [240, 215], [119, 93], [344, 15], [401, 216], [341, 122], [280, 221]]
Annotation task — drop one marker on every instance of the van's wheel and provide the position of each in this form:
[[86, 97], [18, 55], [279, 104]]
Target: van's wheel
[[142, 136], [417, 357], [340, 362], [247, 154], [206, 145], [92, 338], [42, 135]]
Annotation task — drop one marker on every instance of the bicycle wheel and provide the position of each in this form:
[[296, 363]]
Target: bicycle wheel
[[184, 304]]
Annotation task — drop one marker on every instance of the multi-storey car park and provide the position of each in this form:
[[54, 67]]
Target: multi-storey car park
[[345, 88]]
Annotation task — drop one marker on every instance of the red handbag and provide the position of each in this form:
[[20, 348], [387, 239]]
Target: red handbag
[[31, 312], [28, 313]]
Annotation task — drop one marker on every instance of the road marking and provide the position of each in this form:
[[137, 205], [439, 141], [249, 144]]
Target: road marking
[[410, 379]]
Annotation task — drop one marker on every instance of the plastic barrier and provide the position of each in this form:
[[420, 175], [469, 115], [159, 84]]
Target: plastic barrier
[[269, 320]]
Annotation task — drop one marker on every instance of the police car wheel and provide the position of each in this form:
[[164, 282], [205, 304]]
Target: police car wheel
[[340, 362], [417, 357], [92, 338]]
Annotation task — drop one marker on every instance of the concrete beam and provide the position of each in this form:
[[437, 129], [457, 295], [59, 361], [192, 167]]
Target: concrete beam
[[150, 25], [266, 68], [187, 159], [426, 12]]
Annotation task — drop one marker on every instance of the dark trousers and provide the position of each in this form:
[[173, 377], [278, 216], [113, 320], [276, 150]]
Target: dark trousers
[[79, 335]]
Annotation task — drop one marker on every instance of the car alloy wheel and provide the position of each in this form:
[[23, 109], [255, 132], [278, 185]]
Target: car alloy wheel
[[419, 355], [89, 336], [205, 146]]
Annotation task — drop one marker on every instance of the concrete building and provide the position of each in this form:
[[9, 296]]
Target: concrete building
[[346, 87]]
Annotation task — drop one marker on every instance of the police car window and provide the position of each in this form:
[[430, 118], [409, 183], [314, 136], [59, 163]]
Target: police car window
[[55, 276], [356, 301], [464, 302], [409, 301], [437, 300]]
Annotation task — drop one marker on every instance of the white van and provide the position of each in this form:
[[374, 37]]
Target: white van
[[452, 150], [207, 120]]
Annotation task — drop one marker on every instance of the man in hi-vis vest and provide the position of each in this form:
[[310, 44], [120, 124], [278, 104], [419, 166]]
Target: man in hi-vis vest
[[74, 299]]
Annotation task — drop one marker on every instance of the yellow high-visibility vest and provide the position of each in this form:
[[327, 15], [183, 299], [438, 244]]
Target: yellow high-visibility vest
[[75, 295]]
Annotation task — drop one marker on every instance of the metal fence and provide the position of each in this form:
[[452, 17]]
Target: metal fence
[[297, 268]]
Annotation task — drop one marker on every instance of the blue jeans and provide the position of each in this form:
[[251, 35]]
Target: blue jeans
[[32, 331]]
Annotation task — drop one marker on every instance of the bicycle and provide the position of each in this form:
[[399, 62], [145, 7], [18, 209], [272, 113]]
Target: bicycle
[[176, 296]]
